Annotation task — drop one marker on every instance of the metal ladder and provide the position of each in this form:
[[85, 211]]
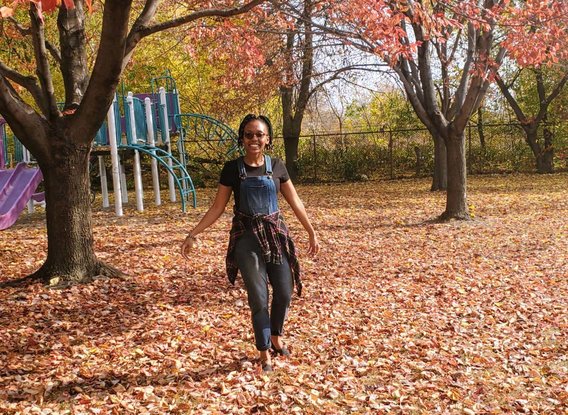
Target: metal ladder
[[181, 177]]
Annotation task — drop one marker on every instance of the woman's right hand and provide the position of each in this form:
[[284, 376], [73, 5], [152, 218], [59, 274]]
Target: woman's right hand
[[314, 247], [188, 244]]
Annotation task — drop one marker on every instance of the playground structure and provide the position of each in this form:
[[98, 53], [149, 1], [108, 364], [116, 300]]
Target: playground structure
[[145, 119], [151, 123], [144, 127]]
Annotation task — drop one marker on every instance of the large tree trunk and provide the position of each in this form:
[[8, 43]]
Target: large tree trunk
[[294, 104], [440, 177], [70, 255], [291, 132], [544, 156], [456, 199], [546, 164]]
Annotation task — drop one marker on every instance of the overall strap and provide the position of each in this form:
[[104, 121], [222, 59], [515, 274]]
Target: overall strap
[[268, 165], [243, 170], [241, 167]]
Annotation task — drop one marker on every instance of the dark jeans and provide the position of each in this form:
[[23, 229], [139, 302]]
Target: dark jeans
[[256, 275]]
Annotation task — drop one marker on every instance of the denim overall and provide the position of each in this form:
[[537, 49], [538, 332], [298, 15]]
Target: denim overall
[[258, 197], [258, 194]]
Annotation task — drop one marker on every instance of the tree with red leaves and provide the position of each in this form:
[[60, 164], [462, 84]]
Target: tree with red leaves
[[446, 54], [60, 139], [538, 49]]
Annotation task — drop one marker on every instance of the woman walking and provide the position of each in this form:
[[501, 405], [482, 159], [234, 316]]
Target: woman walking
[[259, 246]]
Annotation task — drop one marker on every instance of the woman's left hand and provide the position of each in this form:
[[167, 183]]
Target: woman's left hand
[[188, 245]]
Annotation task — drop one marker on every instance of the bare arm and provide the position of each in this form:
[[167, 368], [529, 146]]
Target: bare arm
[[210, 217], [289, 192]]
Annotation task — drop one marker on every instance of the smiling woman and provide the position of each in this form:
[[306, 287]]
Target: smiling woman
[[259, 246], [257, 131]]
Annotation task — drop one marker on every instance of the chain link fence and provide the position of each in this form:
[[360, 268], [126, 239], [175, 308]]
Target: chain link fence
[[391, 154]]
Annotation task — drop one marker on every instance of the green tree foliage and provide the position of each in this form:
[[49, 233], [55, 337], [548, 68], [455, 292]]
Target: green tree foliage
[[387, 110]]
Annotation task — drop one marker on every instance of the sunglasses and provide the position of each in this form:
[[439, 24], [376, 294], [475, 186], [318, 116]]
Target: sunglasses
[[259, 135]]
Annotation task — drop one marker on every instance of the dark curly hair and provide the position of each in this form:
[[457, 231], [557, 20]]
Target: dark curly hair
[[252, 117]]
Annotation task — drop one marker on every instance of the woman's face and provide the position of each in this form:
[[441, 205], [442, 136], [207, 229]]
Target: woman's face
[[255, 137]]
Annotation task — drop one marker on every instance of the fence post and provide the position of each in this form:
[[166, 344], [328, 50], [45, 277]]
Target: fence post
[[315, 157], [391, 161]]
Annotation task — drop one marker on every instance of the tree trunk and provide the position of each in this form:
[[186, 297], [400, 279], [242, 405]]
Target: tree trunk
[[543, 156], [456, 199], [294, 96], [545, 160], [70, 256], [291, 142], [440, 178], [418, 153]]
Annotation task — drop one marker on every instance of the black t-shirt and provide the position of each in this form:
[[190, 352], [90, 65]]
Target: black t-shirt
[[230, 175]]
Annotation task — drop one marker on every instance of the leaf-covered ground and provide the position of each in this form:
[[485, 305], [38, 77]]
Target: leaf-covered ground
[[400, 315]]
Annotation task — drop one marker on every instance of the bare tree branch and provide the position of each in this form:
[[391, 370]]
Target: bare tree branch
[[544, 100], [459, 95], [28, 82], [351, 38], [24, 121], [142, 27], [106, 71], [544, 104], [479, 85], [510, 99], [429, 102], [141, 23], [48, 104], [25, 31], [73, 66], [336, 74], [413, 95], [307, 62], [53, 51]]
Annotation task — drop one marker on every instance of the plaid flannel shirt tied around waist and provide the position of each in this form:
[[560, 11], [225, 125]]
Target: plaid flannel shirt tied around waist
[[272, 235]]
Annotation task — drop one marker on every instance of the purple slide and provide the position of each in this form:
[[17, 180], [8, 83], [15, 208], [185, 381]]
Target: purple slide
[[17, 187]]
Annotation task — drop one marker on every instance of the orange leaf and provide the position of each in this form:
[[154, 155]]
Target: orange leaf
[[49, 5]]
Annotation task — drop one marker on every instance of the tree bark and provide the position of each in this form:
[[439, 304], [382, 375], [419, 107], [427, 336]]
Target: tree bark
[[74, 65], [544, 156], [70, 255], [456, 200], [547, 154], [295, 97], [291, 130], [545, 162], [440, 177], [418, 154]]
